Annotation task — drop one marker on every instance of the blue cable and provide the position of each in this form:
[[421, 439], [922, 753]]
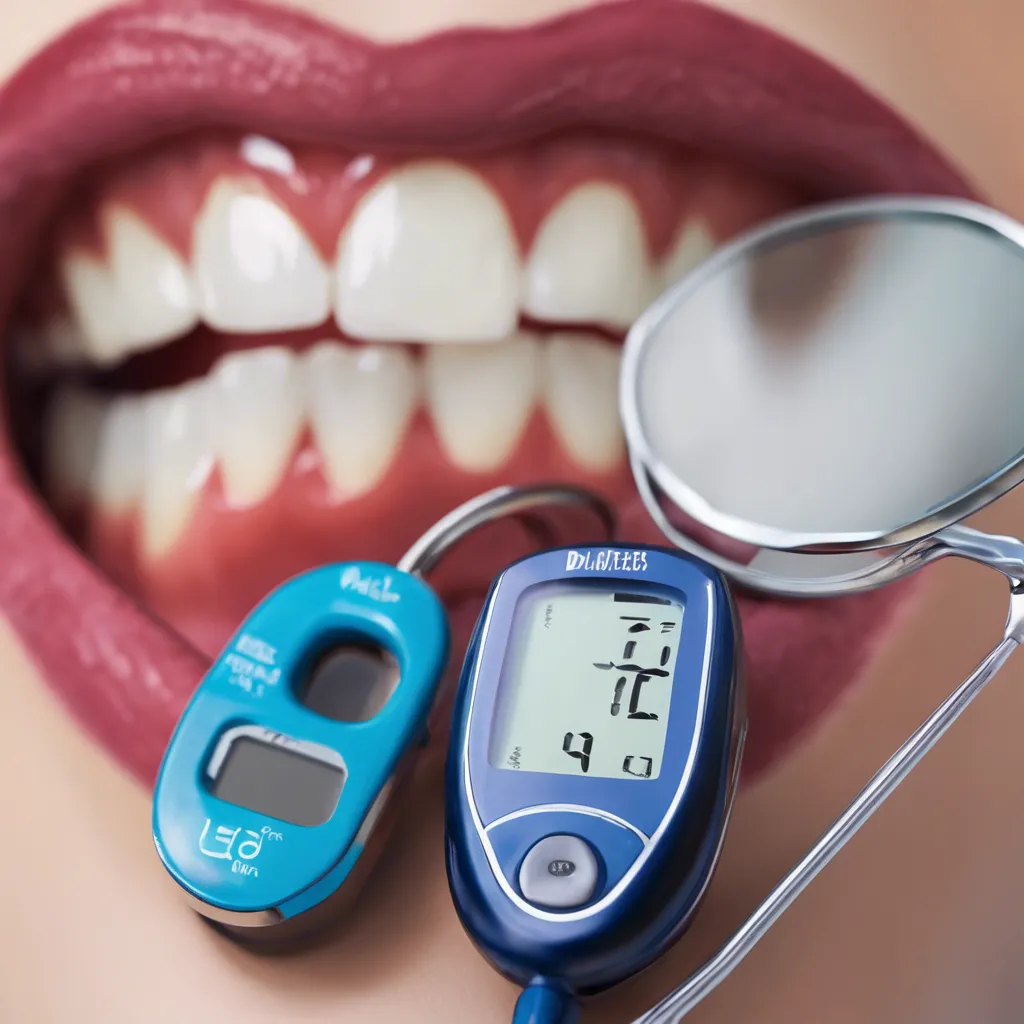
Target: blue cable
[[545, 1002]]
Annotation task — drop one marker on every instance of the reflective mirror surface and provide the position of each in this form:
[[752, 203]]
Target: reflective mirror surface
[[847, 377]]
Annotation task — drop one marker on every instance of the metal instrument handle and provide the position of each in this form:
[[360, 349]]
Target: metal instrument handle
[[524, 503], [683, 999]]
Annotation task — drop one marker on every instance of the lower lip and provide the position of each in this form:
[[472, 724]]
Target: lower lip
[[125, 676]]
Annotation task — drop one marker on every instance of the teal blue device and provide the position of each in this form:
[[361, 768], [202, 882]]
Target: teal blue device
[[271, 793], [281, 781]]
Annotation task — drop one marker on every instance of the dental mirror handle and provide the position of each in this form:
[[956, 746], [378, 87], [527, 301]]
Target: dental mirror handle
[[680, 1002], [533, 506]]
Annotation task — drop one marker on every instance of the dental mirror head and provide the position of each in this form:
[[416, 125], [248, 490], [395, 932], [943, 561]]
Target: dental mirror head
[[831, 390]]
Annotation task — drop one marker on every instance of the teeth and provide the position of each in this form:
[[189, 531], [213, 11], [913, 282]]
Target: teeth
[[156, 296], [693, 245], [74, 420], [255, 268], [429, 256], [589, 261], [178, 462], [581, 380], [157, 452], [141, 297], [116, 479], [360, 402], [480, 397], [92, 296], [257, 408]]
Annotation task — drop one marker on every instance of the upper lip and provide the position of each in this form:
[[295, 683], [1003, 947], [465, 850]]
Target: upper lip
[[134, 74]]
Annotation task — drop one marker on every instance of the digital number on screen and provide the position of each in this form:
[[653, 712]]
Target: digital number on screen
[[589, 685]]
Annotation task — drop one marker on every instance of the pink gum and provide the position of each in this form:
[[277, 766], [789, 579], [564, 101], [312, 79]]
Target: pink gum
[[167, 185]]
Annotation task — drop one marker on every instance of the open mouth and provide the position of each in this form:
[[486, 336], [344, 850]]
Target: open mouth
[[276, 296]]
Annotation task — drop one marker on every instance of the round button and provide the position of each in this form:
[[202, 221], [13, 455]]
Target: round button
[[560, 872]]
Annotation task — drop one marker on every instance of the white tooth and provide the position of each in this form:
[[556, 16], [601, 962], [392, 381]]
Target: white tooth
[[255, 268], [581, 379], [589, 260], [92, 296], [257, 408], [428, 256], [178, 461], [74, 420], [155, 293], [480, 397], [141, 297], [692, 246], [116, 480], [360, 401]]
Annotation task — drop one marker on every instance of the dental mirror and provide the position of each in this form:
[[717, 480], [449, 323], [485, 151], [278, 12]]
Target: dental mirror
[[821, 403], [843, 380]]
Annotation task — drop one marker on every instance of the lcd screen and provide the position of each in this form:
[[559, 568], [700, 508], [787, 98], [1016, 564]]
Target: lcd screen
[[588, 684], [282, 783]]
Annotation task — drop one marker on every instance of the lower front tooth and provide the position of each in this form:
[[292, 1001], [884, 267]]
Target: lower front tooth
[[178, 460], [118, 470], [480, 398], [360, 403], [74, 421], [581, 381], [257, 408]]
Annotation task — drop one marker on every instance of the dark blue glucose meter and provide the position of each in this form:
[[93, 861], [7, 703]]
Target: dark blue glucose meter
[[278, 787], [598, 732]]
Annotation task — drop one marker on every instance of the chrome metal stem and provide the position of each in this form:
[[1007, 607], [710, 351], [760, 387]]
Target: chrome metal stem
[[680, 1002], [1005, 554], [589, 519]]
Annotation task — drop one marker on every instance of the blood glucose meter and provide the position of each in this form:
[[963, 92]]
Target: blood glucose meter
[[598, 731], [279, 785], [317, 698]]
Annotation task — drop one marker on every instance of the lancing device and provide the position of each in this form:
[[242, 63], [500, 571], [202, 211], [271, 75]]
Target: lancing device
[[279, 786], [598, 732]]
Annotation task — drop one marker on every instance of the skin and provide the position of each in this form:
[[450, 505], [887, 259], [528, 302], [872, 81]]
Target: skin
[[915, 921]]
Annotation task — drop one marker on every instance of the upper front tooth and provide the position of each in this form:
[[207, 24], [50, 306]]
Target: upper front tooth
[[480, 397], [692, 246], [429, 256], [255, 268], [178, 462], [589, 260], [74, 420], [140, 297], [257, 408], [360, 403], [581, 378]]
